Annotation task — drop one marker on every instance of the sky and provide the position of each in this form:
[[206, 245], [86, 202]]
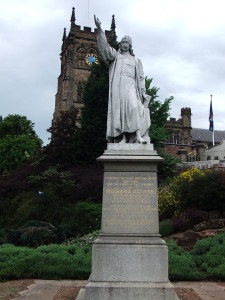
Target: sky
[[181, 44]]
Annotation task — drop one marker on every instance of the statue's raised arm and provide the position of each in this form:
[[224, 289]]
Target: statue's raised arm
[[128, 113], [97, 23], [107, 53]]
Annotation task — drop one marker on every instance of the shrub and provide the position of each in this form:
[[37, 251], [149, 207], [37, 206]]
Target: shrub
[[73, 260], [181, 264], [34, 234], [200, 189], [83, 217], [46, 262], [167, 168], [206, 190], [171, 202], [209, 256], [166, 227]]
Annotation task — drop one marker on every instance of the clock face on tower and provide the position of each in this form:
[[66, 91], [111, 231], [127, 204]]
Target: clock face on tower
[[91, 58]]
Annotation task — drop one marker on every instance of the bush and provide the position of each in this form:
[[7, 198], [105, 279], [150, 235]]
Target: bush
[[166, 227], [46, 262], [200, 189], [167, 168], [34, 234], [73, 260], [83, 217], [206, 190], [182, 265], [209, 257]]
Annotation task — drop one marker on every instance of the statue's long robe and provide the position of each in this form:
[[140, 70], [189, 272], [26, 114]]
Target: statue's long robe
[[126, 111]]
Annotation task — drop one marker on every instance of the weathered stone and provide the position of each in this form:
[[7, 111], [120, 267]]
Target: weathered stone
[[201, 226], [210, 224]]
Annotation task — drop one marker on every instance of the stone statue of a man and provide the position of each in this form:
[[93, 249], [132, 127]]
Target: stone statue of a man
[[128, 113]]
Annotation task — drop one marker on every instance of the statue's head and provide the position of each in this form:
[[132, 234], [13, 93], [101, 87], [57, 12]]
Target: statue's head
[[126, 44]]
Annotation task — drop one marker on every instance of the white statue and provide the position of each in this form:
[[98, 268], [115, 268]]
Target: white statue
[[128, 113]]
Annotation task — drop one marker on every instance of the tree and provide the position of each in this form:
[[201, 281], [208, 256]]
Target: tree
[[18, 141], [90, 140], [63, 132], [159, 113], [15, 125]]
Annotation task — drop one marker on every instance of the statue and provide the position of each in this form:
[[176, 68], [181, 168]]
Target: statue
[[128, 113]]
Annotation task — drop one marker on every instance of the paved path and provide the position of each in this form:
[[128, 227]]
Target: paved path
[[47, 289], [206, 290]]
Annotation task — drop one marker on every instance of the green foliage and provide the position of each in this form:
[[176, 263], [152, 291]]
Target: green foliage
[[63, 133], [55, 179], [166, 227], [15, 125], [209, 256], [48, 206], [167, 168], [194, 188], [83, 217], [46, 262], [159, 113], [18, 141], [73, 260], [34, 234], [205, 192], [90, 141], [14, 150], [182, 265]]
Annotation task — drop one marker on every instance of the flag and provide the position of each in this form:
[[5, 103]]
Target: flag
[[211, 126]]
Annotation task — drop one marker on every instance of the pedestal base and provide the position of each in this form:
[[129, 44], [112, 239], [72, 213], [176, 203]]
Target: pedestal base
[[129, 291], [129, 258], [123, 258]]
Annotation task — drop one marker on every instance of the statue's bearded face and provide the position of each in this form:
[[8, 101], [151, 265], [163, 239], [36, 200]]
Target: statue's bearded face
[[124, 45]]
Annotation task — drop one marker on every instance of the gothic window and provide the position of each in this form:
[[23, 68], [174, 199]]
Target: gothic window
[[177, 137], [81, 57], [69, 55], [174, 138], [92, 50]]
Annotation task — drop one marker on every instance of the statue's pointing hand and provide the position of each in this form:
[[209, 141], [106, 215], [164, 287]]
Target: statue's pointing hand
[[97, 23]]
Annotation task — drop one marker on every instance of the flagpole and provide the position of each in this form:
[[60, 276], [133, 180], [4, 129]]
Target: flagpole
[[213, 137], [88, 13]]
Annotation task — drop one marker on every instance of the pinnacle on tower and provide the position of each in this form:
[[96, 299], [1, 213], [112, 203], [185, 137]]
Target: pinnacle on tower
[[73, 19], [64, 35], [113, 24]]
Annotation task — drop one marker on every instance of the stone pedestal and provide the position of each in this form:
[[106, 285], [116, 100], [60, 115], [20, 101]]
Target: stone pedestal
[[129, 260]]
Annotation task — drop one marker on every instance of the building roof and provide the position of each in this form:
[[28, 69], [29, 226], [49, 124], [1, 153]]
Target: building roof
[[205, 135]]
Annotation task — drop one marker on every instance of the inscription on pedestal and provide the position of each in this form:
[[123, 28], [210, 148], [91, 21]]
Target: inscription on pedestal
[[130, 203]]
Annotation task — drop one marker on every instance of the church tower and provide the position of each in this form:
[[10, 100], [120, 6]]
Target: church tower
[[79, 51]]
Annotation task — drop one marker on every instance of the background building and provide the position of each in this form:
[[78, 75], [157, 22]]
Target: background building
[[187, 143]]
